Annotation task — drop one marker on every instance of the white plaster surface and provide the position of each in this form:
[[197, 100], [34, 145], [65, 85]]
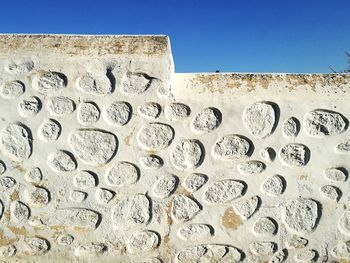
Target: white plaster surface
[[107, 155]]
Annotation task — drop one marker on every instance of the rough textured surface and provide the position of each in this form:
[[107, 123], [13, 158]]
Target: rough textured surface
[[107, 155], [259, 118], [300, 215]]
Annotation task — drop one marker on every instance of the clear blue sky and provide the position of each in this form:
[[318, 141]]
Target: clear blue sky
[[243, 36]]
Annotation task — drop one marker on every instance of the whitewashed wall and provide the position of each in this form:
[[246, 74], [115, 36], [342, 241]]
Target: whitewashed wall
[[107, 155]]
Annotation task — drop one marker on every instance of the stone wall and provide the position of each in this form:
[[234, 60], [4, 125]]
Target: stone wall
[[107, 155]]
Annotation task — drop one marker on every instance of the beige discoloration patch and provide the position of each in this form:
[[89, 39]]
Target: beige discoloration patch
[[303, 177], [7, 215], [182, 190], [19, 167], [129, 138], [19, 231], [58, 228], [123, 250], [168, 214], [80, 229], [166, 247], [14, 196], [230, 219], [4, 240]]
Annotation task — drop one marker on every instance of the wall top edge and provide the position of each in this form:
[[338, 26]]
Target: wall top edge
[[249, 83], [84, 45], [258, 74]]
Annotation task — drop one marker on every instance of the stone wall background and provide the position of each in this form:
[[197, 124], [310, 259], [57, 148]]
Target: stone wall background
[[107, 155]]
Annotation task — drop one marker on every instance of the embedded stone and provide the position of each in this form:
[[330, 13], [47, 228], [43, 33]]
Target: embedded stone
[[294, 154], [60, 106], [184, 208], [321, 123], [61, 161], [88, 113], [104, 196], [19, 212], [246, 208], [264, 226], [2, 167], [165, 186], [12, 89], [251, 167], [151, 162], [78, 218], [143, 241], [29, 107], [36, 221], [7, 182], [194, 181], [155, 136], [268, 154], [279, 257], [19, 66], [207, 120], [290, 127], [65, 240], [37, 196], [231, 147], [132, 210], [33, 175], [135, 83], [36, 246], [343, 147], [7, 251], [259, 119], [93, 147], [187, 154], [335, 174], [191, 254], [297, 242], [45, 81], [49, 130], [98, 85], [16, 141], [85, 180], [227, 254], [344, 223], [1, 209], [194, 232], [262, 248], [118, 113], [149, 110], [163, 88], [308, 255], [153, 260], [90, 250], [300, 215], [273, 185], [177, 111], [223, 191], [341, 250], [331, 192], [209, 253], [122, 174], [77, 196]]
